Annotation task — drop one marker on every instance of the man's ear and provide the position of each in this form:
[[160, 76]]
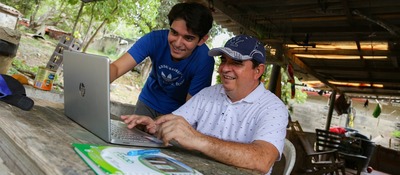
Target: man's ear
[[259, 70], [202, 40]]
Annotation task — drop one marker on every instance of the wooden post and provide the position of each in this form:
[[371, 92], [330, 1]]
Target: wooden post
[[274, 79], [330, 112]]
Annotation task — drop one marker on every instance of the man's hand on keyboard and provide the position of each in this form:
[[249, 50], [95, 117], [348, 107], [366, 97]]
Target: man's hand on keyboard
[[137, 120]]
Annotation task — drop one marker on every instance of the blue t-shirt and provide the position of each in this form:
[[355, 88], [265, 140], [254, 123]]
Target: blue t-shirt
[[169, 81]]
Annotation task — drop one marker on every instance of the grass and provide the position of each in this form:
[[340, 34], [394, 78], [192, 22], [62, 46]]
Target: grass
[[112, 57], [19, 65], [396, 134]]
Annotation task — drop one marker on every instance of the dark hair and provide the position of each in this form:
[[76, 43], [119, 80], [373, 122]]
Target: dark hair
[[255, 63], [198, 17]]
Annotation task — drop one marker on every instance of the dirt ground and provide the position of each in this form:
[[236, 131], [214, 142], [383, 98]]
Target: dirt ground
[[313, 114], [37, 52]]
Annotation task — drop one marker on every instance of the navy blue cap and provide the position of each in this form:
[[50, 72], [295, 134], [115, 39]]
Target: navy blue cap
[[13, 92], [242, 47]]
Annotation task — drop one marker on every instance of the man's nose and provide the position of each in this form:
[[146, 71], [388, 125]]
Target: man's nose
[[225, 67], [179, 41]]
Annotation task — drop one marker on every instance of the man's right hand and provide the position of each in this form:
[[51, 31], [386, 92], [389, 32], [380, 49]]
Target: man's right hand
[[134, 120]]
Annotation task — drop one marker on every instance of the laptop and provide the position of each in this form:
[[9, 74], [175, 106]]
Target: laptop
[[87, 100]]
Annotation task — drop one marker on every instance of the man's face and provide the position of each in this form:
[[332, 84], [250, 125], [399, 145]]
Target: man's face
[[238, 77], [181, 41]]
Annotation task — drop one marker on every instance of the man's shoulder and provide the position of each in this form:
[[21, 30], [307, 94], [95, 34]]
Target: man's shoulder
[[153, 38], [158, 33], [161, 31], [266, 96], [203, 49], [212, 89], [200, 57]]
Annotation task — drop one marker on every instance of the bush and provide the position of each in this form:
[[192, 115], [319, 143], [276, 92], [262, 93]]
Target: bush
[[396, 134]]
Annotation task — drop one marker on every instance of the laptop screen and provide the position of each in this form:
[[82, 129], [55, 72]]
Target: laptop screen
[[87, 91]]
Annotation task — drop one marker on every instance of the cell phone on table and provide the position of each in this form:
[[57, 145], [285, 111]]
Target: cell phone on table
[[165, 165]]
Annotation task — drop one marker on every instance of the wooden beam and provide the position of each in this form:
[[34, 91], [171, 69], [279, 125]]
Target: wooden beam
[[294, 60], [249, 25], [369, 87], [365, 80], [325, 69], [311, 51], [372, 92]]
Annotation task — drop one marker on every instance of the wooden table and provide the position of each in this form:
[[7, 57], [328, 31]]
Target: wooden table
[[39, 142]]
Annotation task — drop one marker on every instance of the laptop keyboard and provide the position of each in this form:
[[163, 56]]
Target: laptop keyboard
[[120, 131]]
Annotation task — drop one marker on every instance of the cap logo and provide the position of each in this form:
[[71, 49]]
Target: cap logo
[[235, 42], [255, 51]]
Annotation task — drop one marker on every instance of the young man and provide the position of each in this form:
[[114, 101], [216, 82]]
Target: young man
[[237, 122], [181, 65]]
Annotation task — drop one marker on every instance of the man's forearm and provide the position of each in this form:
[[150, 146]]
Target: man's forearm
[[259, 155], [113, 73]]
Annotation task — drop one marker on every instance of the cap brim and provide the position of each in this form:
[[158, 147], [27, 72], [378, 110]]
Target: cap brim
[[20, 101], [231, 53], [215, 51]]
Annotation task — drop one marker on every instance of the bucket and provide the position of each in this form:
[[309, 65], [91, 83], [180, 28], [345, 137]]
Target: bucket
[[44, 79]]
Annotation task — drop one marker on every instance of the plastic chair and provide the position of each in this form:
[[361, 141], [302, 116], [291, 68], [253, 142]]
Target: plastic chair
[[289, 151], [318, 162]]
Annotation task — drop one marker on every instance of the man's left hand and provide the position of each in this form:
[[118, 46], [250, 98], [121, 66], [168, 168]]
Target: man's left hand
[[173, 128]]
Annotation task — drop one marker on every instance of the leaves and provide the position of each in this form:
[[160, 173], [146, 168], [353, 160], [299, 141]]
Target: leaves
[[73, 2], [377, 110]]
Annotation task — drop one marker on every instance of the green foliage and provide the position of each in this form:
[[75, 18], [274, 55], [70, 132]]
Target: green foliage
[[21, 65], [112, 57], [216, 30], [299, 97], [396, 134], [128, 19], [286, 91], [73, 2], [111, 50], [23, 6], [163, 10]]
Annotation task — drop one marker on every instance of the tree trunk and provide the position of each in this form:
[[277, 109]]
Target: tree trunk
[[61, 11], [77, 17], [89, 26], [32, 18], [98, 29]]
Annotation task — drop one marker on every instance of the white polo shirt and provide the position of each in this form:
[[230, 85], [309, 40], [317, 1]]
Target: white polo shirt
[[259, 116]]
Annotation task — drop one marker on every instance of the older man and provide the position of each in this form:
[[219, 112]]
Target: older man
[[237, 122]]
